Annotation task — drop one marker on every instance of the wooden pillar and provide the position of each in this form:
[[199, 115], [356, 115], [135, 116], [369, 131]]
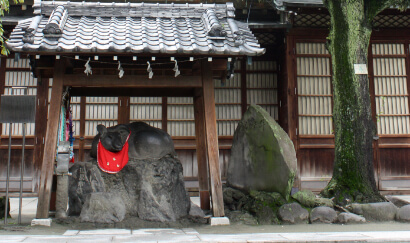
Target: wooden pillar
[[81, 143], [201, 151], [164, 118], [41, 123], [292, 101], [376, 151], [3, 63], [211, 138], [47, 167], [123, 110]]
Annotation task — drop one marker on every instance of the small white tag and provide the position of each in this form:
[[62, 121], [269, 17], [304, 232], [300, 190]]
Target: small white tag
[[360, 69]]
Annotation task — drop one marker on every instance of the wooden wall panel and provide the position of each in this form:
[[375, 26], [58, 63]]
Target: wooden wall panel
[[394, 168], [15, 162], [316, 167]]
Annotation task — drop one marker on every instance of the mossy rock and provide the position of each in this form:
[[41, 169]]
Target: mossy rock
[[272, 199], [240, 217], [309, 199], [266, 215], [263, 157], [293, 213], [234, 199]]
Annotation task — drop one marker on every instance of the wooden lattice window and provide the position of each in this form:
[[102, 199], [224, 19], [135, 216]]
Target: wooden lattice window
[[75, 104], [100, 110], [314, 89], [391, 93], [391, 21], [146, 109], [18, 75], [181, 116], [266, 38], [312, 20], [262, 86], [228, 103]]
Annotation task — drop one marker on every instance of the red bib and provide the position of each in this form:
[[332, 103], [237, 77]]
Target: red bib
[[112, 162]]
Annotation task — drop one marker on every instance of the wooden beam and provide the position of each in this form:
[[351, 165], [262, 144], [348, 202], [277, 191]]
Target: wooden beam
[[132, 81], [47, 167], [201, 149], [133, 92], [212, 139]]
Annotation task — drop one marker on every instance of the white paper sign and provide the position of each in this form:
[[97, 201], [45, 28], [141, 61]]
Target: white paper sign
[[360, 69]]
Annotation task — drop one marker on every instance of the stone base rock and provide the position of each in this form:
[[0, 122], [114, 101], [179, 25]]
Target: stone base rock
[[325, 215], [150, 189], [293, 213], [102, 207], [196, 211], [310, 200], [403, 214], [350, 218], [85, 179], [382, 211], [263, 157]]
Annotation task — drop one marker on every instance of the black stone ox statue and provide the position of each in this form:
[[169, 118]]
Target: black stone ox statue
[[145, 142]]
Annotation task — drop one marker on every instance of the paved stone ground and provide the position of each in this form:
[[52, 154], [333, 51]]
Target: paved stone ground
[[381, 232], [191, 235]]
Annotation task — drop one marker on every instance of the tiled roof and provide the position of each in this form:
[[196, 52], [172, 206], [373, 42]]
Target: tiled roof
[[134, 28]]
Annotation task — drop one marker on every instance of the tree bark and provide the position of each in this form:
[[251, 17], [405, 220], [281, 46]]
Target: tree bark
[[348, 42]]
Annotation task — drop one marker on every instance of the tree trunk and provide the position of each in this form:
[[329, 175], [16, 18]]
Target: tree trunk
[[348, 42]]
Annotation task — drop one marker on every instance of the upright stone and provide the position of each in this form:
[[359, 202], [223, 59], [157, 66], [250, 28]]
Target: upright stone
[[263, 157]]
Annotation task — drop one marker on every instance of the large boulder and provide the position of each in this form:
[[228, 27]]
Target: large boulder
[[263, 157], [293, 213], [382, 211]]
